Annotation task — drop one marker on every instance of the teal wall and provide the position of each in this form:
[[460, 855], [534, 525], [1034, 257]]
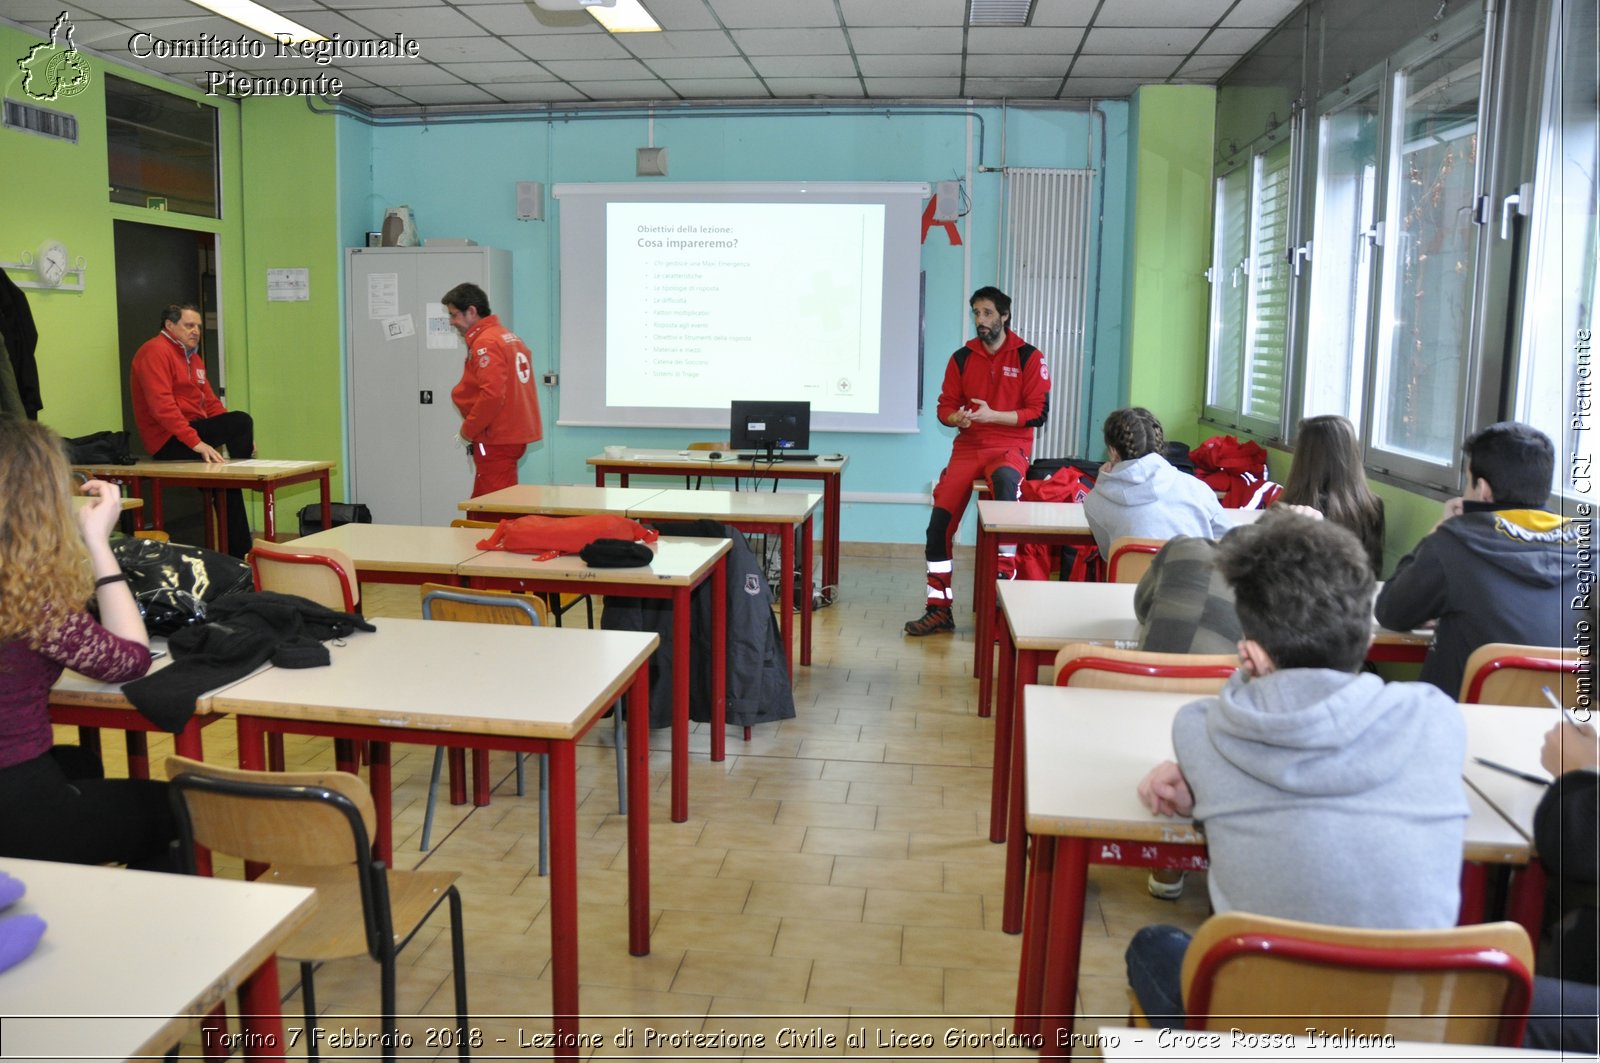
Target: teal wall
[[459, 180]]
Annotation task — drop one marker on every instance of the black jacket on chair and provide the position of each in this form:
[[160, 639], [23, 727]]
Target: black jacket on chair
[[758, 673]]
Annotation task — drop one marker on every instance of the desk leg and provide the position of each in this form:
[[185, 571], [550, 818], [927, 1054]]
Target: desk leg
[[1063, 945], [158, 519], [1030, 974], [639, 813], [832, 495], [250, 732], [1525, 901], [138, 744], [999, 789], [719, 659], [187, 742], [1016, 834], [261, 1015], [786, 597], [984, 573], [1474, 893], [269, 514], [564, 892], [599, 476], [378, 778], [680, 704], [214, 508], [805, 592], [327, 501]]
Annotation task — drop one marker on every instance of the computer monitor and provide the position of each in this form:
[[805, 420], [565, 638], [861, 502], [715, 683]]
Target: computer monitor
[[769, 426]]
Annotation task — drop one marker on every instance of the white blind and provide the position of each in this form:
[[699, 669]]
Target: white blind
[[1268, 340]]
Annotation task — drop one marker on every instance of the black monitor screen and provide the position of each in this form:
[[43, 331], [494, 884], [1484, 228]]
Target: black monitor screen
[[770, 425]]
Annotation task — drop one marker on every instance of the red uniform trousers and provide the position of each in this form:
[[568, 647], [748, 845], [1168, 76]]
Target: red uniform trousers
[[495, 465], [1003, 467]]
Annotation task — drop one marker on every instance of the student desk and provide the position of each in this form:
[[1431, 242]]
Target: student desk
[[680, 565], [771, 513], [1038, 617], [253, 474], [555, 500], [1005, 523], [398, 553], [522, 689], [132, 960], [672, 463], [1092, 814]]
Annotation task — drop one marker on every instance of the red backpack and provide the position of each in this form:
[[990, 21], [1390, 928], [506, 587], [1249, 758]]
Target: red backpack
[[535, 534]]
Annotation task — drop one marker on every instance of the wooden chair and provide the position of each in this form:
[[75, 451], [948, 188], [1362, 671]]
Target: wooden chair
[[1465, 985], [1502, 673], [1131, 558], [314, 829], [326, 576], [559, 604], [1083, 664], [440, 602]]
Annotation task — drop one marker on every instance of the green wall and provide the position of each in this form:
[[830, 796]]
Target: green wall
[[1165, 315]]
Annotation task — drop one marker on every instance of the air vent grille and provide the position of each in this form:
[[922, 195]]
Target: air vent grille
[[46, 123]]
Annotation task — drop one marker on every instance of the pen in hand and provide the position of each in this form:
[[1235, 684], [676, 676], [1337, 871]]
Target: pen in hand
[[1512, 771], [1555, 703]]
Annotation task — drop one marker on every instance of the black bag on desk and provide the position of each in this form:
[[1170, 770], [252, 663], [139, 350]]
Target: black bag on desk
[[100, 448], [343, 513], [173, 583]]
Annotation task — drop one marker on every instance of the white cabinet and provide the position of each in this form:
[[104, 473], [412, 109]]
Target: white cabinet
[[402, 360]]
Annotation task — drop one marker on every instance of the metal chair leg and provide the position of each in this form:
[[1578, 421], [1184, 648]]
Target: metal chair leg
[[433, 796]]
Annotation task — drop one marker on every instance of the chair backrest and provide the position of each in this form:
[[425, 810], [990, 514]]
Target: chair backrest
[[325, 575], [1130, 558], [1503, 673], [302, 819], [441, 602], [1083, 664], [1463, 985]]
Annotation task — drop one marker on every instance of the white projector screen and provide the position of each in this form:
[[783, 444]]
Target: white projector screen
[[677, 299]]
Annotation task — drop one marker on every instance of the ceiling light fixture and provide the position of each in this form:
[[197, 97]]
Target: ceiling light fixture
[[623, 16], [998, 12], [263, 20]]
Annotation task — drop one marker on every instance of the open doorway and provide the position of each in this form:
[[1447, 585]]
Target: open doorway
[[158, 265]]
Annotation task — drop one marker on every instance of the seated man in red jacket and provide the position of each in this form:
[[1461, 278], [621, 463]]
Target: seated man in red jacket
[[497, 397], [180, 418]]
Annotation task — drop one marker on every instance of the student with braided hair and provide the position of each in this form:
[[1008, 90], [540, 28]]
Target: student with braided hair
[[1139, 493]]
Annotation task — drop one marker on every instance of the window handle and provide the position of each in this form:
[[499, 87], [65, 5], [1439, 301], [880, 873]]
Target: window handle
[[1373, 234], [1299, 256], [1516, 201]]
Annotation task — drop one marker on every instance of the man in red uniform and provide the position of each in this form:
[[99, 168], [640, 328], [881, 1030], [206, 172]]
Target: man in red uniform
[[996, 392], [497, 397], [178, 415]]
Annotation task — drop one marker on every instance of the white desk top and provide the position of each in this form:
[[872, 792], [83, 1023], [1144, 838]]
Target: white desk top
[[696, 459], [785, 507], [556, 500], [532, 682], [1112, 738], [1512, 735], [131, 959], [398, 547], [248, 470], [678, 561]]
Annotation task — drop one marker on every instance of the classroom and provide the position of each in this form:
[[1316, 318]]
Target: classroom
[[1234, 214]]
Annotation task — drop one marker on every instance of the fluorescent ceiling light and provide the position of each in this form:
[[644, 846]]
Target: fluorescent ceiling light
[[263, 20], [624, 16]]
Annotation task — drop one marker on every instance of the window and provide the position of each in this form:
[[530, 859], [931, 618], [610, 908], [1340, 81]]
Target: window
[[1423, 342], [162, 149], [1556, 364], [1342, 238], [1250, 288]]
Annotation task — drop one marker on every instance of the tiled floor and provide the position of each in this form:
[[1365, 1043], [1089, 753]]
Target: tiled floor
[[835, 875]]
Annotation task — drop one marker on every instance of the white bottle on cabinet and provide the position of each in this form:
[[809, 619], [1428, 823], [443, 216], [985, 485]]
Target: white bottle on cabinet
[[404, 462]]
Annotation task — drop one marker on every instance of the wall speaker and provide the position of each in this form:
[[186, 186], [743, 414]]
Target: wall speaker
[[947, 201], [652, 162], [530, 201]]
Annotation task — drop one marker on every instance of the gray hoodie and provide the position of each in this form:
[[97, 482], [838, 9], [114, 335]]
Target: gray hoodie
[[1330, 797], [1150, 499]]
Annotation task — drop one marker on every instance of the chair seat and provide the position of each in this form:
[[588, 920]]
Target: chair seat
[[334, 931]]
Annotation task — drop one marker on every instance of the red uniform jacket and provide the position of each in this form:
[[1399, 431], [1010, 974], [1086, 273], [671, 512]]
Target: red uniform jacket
[[1013, 378], [497, 396], [169, 391]]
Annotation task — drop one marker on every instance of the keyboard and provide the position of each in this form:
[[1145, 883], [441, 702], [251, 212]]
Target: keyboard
[[776, 455]]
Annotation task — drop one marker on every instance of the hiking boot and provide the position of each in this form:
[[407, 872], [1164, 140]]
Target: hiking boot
[[1165, 885], [935, 620]]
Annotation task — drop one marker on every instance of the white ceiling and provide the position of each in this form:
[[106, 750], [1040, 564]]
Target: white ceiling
[[500, 52]]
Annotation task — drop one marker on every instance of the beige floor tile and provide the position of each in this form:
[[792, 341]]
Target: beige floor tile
[[826, 814], [818, 790], [825, 939], [892, 873], [804, 900], [733, 932], [847, 842], [961, 947], [923, 908], [780, 837], [753, 864], [961, 823], [867, 772], [891, 987], [776, 978]]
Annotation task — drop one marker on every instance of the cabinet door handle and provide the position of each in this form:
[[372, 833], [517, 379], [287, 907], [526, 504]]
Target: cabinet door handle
[[426, 398]]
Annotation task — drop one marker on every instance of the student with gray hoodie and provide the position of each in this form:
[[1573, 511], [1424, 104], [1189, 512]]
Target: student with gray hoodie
[[1326, 795], [1138, 492]]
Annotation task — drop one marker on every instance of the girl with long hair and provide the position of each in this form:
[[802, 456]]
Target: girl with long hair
[[1327, 476], [55, 803]]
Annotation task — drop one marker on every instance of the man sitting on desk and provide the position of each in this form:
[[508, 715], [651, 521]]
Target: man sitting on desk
[[996, 392], [497, 397], [1327, 795], [178, 415]]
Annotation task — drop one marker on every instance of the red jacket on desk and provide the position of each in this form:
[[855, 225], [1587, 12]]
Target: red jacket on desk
[[1013, 378], [497, 396], [170, 390]]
